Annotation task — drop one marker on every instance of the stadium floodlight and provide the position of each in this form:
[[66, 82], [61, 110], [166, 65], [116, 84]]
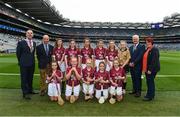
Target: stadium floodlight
[[8, 5], [87, 27], [166, 26], [39, 20], [77, 26], [47, 23], [96, 27], [114, 27], [175, 25], [131, 27], [140, 27], [122, 27], [26, 14], [32, 18], [66, 26], [18, 10], [105, 27], [57, 24]]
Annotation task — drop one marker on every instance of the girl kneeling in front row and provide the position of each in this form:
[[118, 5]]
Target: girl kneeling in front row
[[54, 81], [102, 82], [117, 75], [73, 77], [88, 80]]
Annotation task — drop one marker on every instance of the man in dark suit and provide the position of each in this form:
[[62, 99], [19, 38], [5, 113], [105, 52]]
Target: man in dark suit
[[44, 52], [25, 54], [136, 52]]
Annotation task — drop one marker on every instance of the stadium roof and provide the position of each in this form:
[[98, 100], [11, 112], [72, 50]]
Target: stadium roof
[[172, 21], [41, 10]]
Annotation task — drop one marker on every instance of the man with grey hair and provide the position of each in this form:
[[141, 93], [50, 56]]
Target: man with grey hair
[[136, 52], [44, 52]]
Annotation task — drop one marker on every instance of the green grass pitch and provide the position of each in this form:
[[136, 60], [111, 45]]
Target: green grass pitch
[[166, 103]]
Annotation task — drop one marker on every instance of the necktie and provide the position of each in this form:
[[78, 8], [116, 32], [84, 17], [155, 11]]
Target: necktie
[[30, 45], [134, 48], [46, 47]]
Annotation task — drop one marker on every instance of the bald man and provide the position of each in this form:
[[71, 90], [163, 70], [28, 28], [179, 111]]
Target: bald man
[[26, 60], [136, 52], [44, 53]]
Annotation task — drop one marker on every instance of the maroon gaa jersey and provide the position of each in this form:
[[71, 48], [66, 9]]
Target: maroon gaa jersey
[[100, 53], [73, 77], [71, 53], [105, 76], [86, 73], [55, 79], [86, 53], [115, 73], [58, 52], [111, 54]]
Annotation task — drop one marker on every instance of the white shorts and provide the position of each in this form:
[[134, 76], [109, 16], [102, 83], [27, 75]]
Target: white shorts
[[86, 88], [117, 91], [62, 66], [98, 93], [52, 89], [108, 68], [97, 64], [83, 66], [69, 90]]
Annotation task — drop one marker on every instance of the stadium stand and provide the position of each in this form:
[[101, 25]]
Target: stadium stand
[[39, 15]]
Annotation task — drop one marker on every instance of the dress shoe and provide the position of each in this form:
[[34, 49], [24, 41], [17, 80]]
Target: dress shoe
[[133, 92], [147, 99], [33, 92], [26, 97], [137, 95]]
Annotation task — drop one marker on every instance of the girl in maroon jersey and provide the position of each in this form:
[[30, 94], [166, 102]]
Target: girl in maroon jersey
[[86, 52], [59, 53], [111, 55], [54, 80], [71, 52], [73, 77], [117, 75], [102, 81], [88, 80], [99, 53]]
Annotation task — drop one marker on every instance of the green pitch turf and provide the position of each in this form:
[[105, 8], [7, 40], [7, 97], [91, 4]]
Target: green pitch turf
[[166, 103]]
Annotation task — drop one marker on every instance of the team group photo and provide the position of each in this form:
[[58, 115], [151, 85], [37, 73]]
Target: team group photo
[[54, 66]]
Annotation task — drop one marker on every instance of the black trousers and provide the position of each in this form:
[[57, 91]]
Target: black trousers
[[136, 79], [27, 74], [150, 85]]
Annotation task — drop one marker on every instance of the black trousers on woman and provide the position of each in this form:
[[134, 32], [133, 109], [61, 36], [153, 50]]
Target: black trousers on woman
[[150, 85]]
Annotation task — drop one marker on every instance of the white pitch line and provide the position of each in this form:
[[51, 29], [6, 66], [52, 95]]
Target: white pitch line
[[17, 74], [14, 74]]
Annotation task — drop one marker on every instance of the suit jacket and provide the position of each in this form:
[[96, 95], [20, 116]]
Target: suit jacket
[[153, 62], [24, 54], [137, 55], [43, 58]]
